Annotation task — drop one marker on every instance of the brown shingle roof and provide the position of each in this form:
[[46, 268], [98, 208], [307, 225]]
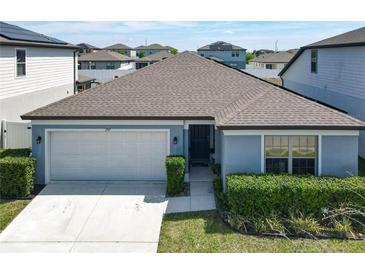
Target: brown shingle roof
[[117, 46], [153, 46], [220, 46], [187, 86], [155, 57], [276, 57], [104, 56]]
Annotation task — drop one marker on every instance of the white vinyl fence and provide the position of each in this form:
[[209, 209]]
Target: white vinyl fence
[[16, 134]]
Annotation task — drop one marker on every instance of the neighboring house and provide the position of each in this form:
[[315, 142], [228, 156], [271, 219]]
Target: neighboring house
[[332, 71], [151, 49], [84, 82], [192, 106], [153, 58], [231, 55], [35, 70], [276, 60], [104, 65], [86, 48], [122, 49]]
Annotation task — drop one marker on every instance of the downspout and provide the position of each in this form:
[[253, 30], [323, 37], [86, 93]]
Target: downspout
[[75, 71]]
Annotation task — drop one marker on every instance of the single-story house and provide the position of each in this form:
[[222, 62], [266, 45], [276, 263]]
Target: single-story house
[[122, 49], [153, 58], [275, 60], [196, 107], [84, 82]]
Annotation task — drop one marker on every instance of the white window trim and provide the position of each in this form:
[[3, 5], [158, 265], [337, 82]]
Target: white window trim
[[293, 132], [26, 63], [47, 136], [187, 123]]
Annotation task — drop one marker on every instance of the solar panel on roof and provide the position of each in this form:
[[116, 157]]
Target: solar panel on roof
[[17, 33]]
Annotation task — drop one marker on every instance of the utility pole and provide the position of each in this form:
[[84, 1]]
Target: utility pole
[[276, 45]]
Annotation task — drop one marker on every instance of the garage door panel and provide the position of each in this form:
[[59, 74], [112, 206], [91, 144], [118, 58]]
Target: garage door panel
[[120, 155]]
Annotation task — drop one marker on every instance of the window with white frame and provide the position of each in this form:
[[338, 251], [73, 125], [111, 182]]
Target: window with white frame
[[235, 53], [290, 154], [92, 65], [20, 62]]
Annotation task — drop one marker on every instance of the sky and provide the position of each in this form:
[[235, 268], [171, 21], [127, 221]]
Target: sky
[[192, 35]]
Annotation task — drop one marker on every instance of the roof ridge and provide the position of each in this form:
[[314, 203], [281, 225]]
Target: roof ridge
[[238, 105]]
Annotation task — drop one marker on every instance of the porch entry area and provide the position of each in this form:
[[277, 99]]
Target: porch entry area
[[201, 145]]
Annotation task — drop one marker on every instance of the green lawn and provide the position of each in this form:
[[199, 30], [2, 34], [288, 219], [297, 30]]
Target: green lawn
[[205, 232], [361, 166], [9, 209]]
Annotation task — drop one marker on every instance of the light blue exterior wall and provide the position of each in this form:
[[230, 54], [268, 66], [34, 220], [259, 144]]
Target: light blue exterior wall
[[237, 62], [340, 155], [240, 154], [38, 150]]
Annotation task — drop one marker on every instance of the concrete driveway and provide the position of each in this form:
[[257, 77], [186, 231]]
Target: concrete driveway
[[89, 217]]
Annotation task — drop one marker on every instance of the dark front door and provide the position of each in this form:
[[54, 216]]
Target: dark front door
[[199, 144]]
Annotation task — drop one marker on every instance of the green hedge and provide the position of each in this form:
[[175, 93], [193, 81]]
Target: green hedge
[[254, 196], [16, 174], [175, 169], [19, 152]]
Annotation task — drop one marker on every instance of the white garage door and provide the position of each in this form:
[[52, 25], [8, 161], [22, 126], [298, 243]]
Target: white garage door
[[114, 155]]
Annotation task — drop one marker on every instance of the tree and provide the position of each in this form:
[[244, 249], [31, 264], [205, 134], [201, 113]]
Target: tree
[[123, 52], [173, 51], [249, 56], [141, 54]]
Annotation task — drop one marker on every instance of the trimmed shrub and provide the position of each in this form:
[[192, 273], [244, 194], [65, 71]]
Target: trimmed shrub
[[260, 195], [175, 168], [216, 169], [19, 152], [16, 176]]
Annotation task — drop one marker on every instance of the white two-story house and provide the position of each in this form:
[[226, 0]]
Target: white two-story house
[[332, 71], [35, 70]]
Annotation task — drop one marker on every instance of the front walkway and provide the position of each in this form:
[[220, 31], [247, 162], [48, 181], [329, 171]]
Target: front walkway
[[201, 193], [89, 217]]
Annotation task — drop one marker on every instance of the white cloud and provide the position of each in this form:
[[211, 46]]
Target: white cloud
[[228, 31]]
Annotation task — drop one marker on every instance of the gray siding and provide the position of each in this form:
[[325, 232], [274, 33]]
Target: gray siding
[[99, 64], [38, 150], [238, 62], [339, 156], [149, 51], [340, 80], [240, 154]]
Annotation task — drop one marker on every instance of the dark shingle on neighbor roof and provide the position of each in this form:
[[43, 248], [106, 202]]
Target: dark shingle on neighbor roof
[[84, 79], [188, 86], [351, 37], [276, 57], [117, 47], [17, 36], [104, 56], [220, 45], [155, 57], [86, 46], [153, 46], [348, 39]]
